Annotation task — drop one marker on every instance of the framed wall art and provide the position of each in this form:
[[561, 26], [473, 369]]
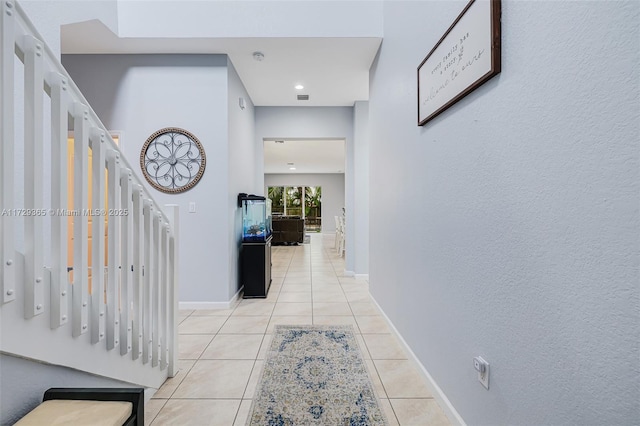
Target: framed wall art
[[467, 55], [172, 160]]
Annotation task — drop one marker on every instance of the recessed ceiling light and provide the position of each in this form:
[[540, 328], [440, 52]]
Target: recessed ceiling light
[[258, 56], [292, 168], [299, 87]]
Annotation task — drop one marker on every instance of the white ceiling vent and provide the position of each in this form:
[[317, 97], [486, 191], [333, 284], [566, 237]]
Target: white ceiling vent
[[303, 97]]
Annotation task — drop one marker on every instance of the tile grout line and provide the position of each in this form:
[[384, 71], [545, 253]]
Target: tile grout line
[[158, 413]]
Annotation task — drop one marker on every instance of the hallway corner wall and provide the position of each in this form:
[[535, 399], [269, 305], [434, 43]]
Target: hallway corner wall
[[361, 186], [507, 227], [242, 167]]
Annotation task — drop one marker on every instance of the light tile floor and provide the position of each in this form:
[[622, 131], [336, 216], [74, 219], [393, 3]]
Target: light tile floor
[[222, 351]]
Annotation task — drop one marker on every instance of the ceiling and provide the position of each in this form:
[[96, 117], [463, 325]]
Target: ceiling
[[307, 156], [333, 71]]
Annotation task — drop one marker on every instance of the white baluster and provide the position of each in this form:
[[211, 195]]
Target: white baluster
[[80, 224], [126, 244], [98, 153], [138, 262], [164, 308], [148, 281], [155, 292], [172, 285], [113, 285], [33, 176], [59, 198], [7, 243]]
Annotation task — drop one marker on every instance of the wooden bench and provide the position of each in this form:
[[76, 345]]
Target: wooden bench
[[88, 406]]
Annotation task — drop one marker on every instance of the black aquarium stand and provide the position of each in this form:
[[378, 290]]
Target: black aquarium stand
[[255, 268]]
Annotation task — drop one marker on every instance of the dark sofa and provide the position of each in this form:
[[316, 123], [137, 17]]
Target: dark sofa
[[287, 229]]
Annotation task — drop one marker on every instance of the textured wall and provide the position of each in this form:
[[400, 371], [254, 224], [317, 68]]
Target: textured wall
[[508, 226]]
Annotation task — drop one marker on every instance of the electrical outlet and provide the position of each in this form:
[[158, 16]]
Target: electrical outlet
[[482, 367]]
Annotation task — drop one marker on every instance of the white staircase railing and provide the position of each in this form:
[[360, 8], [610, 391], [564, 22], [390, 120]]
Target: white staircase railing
[[58, 163]]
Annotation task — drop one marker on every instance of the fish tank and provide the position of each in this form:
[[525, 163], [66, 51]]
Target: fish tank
[[256, 218]]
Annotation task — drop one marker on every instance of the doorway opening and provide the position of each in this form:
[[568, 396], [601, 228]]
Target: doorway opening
[[305, 177]]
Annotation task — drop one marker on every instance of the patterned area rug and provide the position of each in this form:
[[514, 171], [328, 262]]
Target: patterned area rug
[[315, 375]]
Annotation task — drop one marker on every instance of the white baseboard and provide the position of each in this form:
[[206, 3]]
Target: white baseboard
[[363, 276], [211, 305], [236, 297], [204, 305], [448, 408], [349, 273]]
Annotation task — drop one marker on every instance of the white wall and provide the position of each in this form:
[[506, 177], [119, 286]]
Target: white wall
[[140, 94], [242, 167], [262, 18], [361, 186], [508, 226], [332, 192], [48, 15], [317, 123]]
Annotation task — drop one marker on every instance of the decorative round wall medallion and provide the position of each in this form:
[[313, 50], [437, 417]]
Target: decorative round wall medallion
[[172, 160]]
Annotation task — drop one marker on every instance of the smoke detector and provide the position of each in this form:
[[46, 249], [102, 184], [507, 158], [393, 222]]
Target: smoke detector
[[258, 56]]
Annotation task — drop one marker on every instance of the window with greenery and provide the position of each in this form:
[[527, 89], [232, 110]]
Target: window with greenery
[[303, 201], [313, 208], [276, 195], [294, 200]]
